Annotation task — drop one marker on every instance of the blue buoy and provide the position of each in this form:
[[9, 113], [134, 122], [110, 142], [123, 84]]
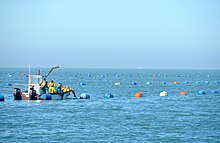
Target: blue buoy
[[202, 92], [2, 98], [82, 83], [8, 84], [186, 82], [214, 92], [84, 96], [46, 97], [134, 83], [206, 82], [108, 95], [164, 82]]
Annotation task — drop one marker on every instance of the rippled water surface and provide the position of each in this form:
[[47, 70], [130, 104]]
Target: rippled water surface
[[175, 118]]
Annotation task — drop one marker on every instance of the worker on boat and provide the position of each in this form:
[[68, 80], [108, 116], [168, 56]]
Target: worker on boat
[[43, 86], [52, 89], [51, 84]]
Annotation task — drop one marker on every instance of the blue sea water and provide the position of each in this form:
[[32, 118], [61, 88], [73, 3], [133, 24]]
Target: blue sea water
[[175, 118]]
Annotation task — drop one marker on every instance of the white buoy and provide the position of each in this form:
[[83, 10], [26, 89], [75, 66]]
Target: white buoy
[[117, 83], [164, 93], [148, 83]]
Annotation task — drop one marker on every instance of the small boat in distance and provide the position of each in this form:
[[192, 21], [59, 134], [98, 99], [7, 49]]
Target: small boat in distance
[[37, 89]]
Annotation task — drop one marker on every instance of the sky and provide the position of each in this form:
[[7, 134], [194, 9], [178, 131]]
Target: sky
[[152, 34]]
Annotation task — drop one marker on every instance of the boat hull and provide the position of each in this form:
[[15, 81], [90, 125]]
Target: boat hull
[[53, 97]]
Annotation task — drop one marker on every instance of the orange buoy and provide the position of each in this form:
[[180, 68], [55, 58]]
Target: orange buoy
[[183, 93], [175, 82], [138, 95]]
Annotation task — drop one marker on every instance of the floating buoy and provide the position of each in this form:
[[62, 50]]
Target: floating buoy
[[202, 92], [46, 97], [134, 83], [117, 83], [84, 96], [186, 82], [198, 82], [183, 93], [217, 82], [108, 95], [214, 92], [148, 83], [175, 82], [89, 75], [206, 82], [9, 75], [82, 83], [23, 74], [164, 93], [8, 84], [163, 82], [138, 95], [2, 98]]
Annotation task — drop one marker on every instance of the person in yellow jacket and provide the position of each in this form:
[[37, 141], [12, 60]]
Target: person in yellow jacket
[[51, 84], [51, 87]]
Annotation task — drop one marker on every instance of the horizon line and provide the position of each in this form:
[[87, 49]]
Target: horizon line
[[138, 68]]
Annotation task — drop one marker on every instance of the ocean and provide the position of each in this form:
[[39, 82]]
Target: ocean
[[124, 118]]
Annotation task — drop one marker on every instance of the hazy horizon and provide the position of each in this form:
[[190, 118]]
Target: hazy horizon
[[125, 34]]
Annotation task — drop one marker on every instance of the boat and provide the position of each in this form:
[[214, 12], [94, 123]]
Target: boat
[[38, 90]]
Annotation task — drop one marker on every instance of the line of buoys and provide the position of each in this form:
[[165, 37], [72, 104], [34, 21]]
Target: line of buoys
[[138, 95], [163, 93], [84, 96], [183, 93], [108, 95], [202, 92], [8, 84], [2, 98], [46, 97]]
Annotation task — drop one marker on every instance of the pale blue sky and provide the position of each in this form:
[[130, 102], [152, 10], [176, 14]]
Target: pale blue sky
[[110, 33]]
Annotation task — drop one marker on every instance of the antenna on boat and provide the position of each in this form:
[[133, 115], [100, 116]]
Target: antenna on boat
[[29, 78], [56, 67], [29, 74]]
